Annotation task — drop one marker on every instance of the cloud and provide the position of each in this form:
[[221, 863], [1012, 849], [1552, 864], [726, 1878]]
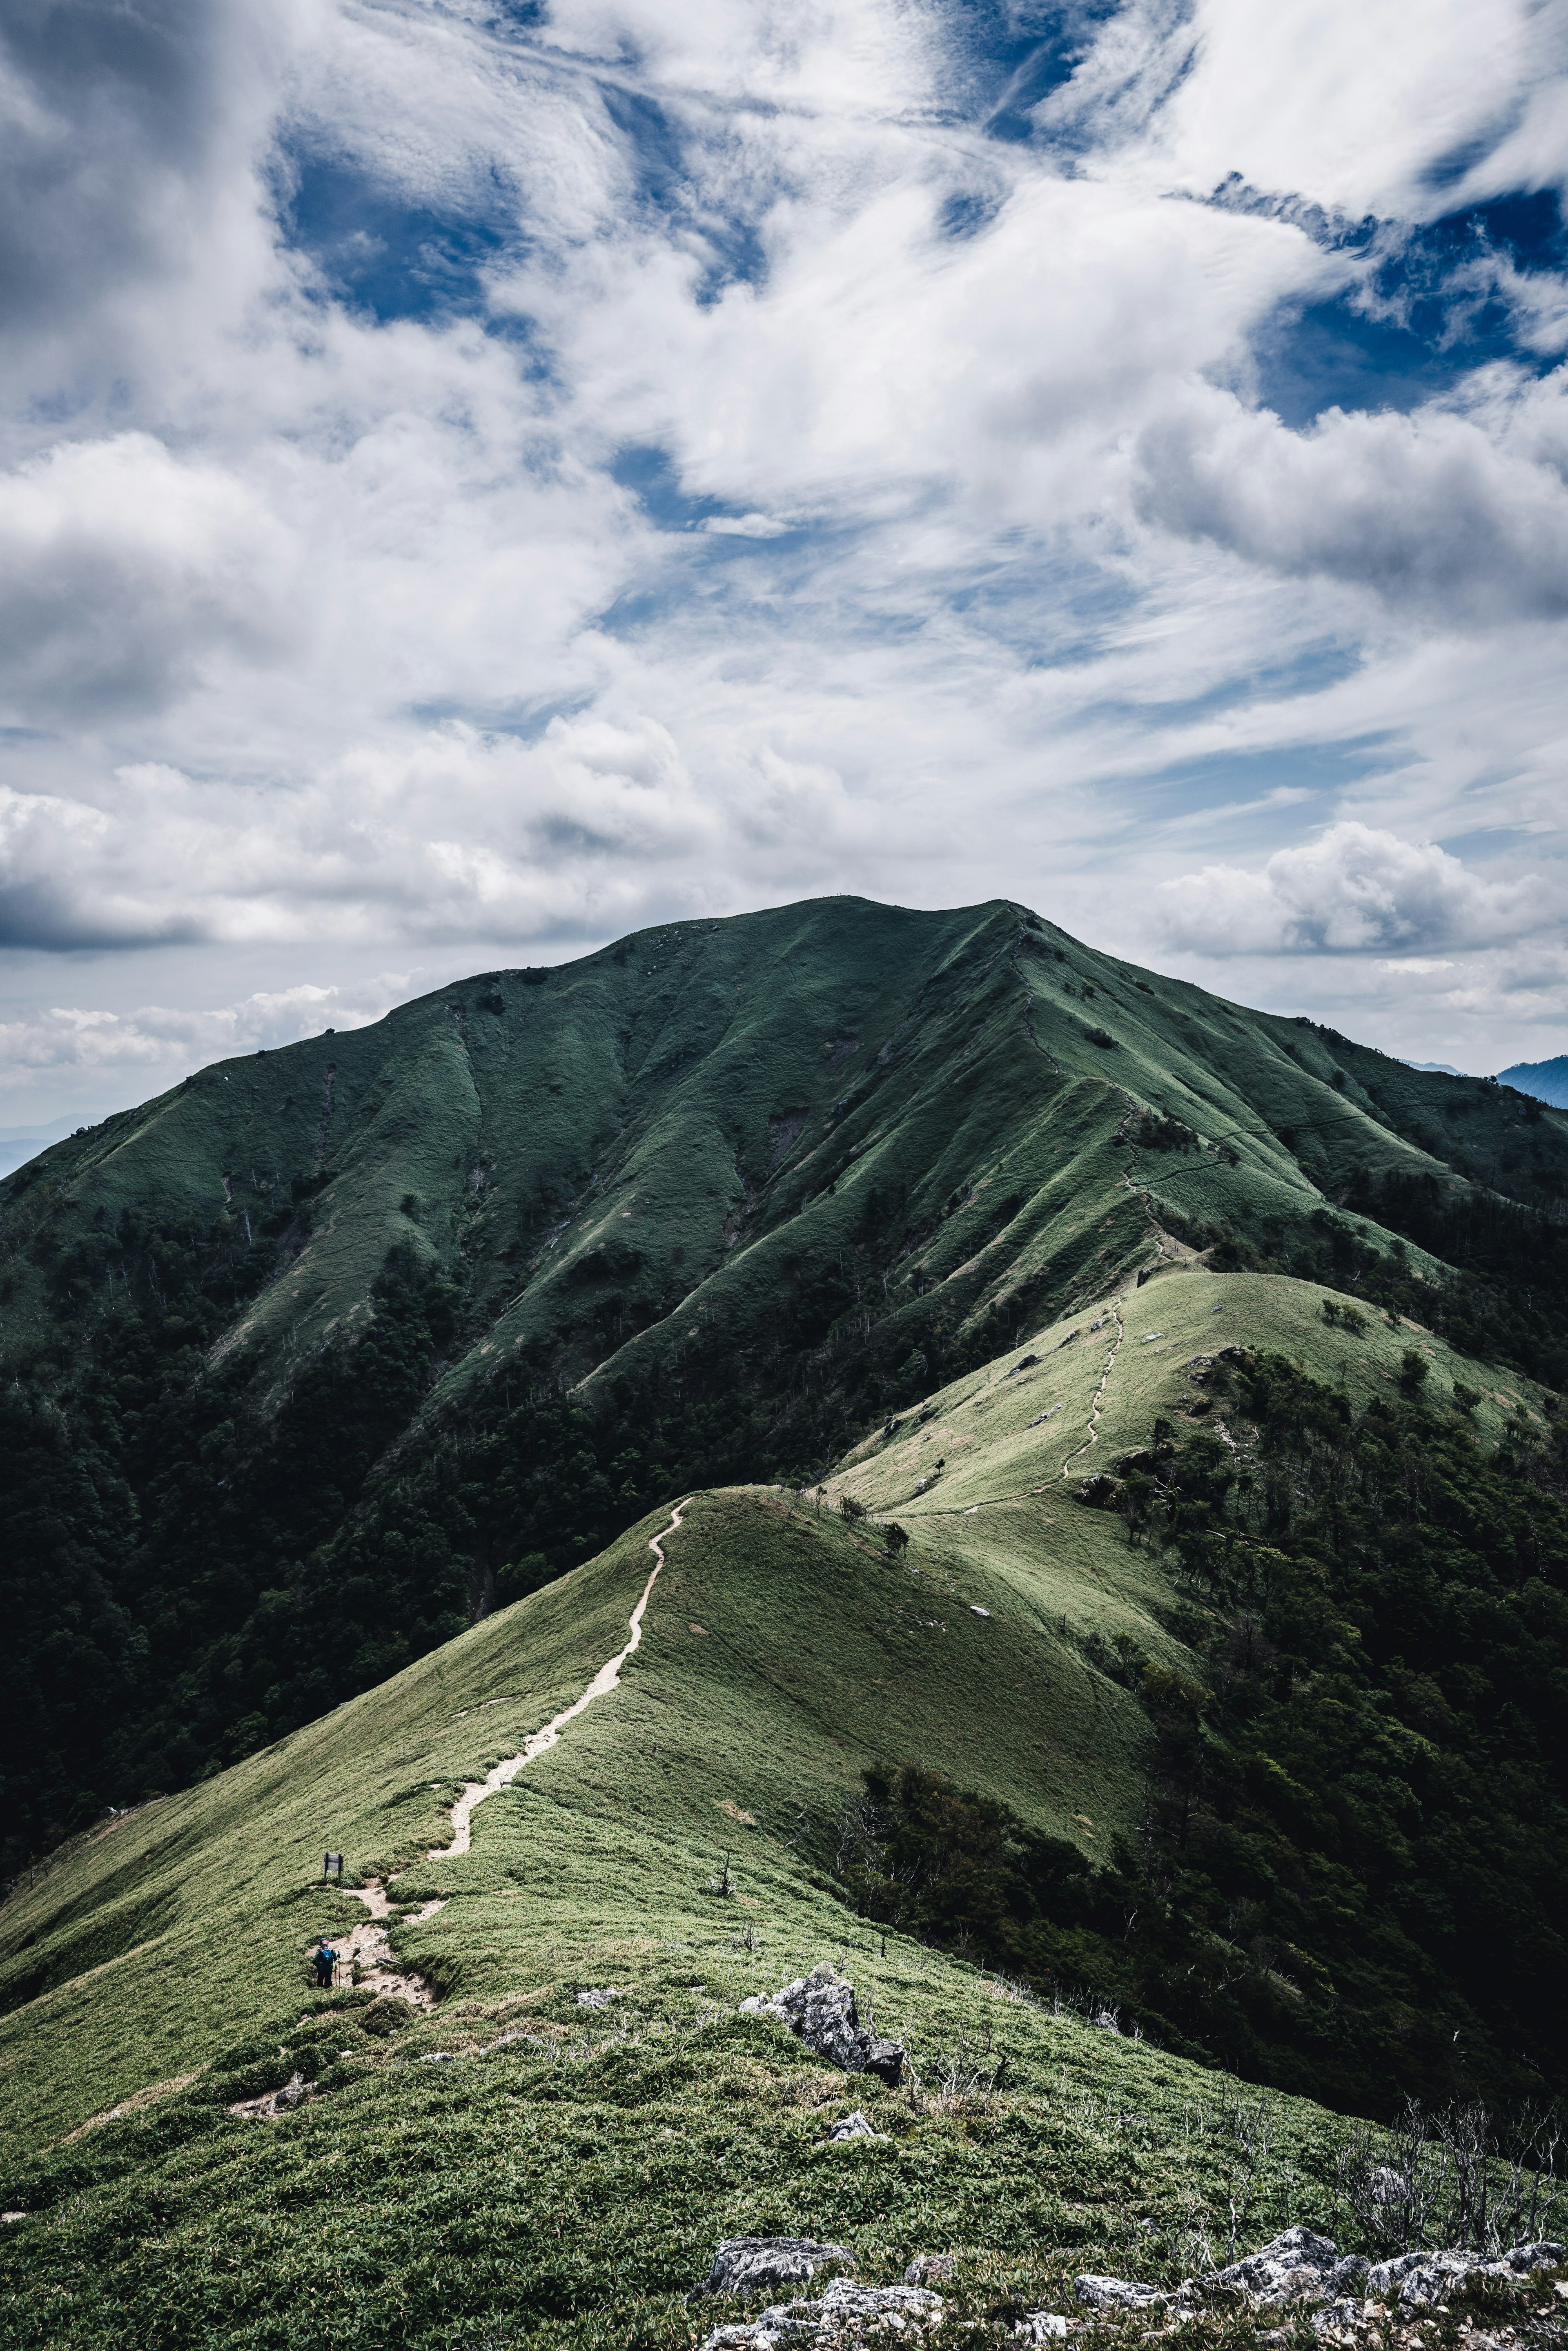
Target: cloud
[[338, 623], [150, 1046], [122, 569], [1353, 889], [1426, 510]]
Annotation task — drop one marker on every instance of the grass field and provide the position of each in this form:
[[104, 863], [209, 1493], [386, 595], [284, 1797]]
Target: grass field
[[570, 2179]]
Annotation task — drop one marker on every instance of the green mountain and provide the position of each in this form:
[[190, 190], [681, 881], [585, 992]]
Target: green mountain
[[1121, 1581], [311, 1361]]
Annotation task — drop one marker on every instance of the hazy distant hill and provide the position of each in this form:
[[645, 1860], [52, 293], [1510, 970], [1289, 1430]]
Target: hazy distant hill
[[317, 1357], [1547, 1081]]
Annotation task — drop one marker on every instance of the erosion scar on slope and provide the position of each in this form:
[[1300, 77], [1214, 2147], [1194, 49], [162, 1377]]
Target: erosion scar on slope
[[1092, 1437], [603, 1682]]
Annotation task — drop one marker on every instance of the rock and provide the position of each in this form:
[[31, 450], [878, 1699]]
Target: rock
[[854, 2126], [1044, 1416], [820, 2010], [1041, 2327], [1142, 1457], [976, 1610], [1419, 2278], [1098, 1492], [844, 2315], [1115, 2293], [601, 1996], [438, 2057], [1546, 2255], [752, 2264], [1295, 2266], [927, 2267]]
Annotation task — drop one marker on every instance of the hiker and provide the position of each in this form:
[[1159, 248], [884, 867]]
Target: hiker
[[326, 1960]]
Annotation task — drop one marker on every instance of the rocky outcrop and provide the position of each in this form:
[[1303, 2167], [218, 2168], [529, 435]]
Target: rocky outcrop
[[756, 2265], [819, 2010], [1302, 2267], [846, 2314]]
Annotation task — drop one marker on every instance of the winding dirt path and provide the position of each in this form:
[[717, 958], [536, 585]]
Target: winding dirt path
[[368, 1946], [1092, 1437]]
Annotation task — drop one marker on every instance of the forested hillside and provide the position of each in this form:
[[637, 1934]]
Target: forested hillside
[[312, 1361]]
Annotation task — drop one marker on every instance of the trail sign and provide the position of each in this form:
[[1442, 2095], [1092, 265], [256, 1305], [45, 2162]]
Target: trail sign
[[330, 1862]]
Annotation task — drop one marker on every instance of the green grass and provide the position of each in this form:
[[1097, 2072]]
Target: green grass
[[668, 1131], [567, 2182], [570, 2183]]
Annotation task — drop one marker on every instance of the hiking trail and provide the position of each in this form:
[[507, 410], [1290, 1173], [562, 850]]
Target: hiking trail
[[368, 1953], [1092, 1437]]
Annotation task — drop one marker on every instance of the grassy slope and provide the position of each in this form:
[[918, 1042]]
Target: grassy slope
[[575, 2180], [674, 1128]]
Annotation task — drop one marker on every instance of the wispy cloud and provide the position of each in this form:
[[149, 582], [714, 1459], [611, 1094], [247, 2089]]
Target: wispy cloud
[[468, 479]]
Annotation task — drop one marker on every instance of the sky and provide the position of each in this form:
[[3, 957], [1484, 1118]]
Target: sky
[[480, 477]]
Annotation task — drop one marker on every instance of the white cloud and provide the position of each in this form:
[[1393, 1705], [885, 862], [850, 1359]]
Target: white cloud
[[328, 634], [121, 570], [1430, 511], [1353, 890]]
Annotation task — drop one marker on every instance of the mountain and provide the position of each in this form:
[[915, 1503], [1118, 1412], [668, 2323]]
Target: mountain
[[1547, 1082], [552, 2150], [1103, 1456], [317, 1358], [536, 2107]]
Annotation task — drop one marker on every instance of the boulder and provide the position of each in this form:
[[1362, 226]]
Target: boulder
[[1041, 2327], [753, 2264], [820, 2009], [846, 2314], [927, 2269], [1115, 2293], [854, 2126], [1294, 2267]]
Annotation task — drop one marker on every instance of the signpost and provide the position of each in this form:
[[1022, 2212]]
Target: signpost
[[330, 1862]]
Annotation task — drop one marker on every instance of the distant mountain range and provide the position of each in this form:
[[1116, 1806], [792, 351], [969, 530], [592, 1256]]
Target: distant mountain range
[[1547, 1081]]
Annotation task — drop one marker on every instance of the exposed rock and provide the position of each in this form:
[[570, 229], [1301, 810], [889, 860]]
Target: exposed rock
[[1115, 2293], [1044, 1416], [601, 1996], [927, 2269], [820, 2010], [752, 2264], [1422, 2278], [846, 2314], [1297, 2266], [854, 2126], [1041, 2327], [1098, 1492], [1300, 2266], [273, 2103]]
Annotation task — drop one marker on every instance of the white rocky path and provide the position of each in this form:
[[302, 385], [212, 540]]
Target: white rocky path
[[1096, 1401], [368, 1946]]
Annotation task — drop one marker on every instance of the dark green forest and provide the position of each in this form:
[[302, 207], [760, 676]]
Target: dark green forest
[[1351, 1878]]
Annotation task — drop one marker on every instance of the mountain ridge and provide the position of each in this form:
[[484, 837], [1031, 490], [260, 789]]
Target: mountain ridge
[[317, 1357]]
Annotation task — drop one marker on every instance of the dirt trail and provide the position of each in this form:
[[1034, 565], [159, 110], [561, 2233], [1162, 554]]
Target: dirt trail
[[1092, 1437], [367, 1944]]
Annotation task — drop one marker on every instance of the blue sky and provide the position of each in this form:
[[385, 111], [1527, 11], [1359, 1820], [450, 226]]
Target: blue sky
[[476, 479]]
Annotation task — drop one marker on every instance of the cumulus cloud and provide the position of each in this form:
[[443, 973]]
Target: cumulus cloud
[[1426, 510], [121, 569], [138, 1052], [1353, 890], [483, 484]]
